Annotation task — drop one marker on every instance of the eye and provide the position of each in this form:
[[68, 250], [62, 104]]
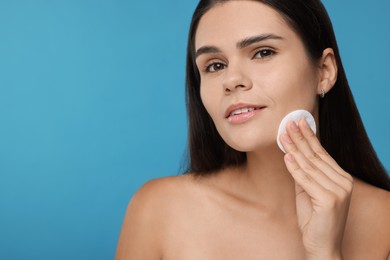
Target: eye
[[214, 67], [264, 53]]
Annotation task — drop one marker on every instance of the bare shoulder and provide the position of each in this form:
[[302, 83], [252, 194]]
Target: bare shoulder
[[148, 213], [160, 188], [371, 202], [368, 221], [164, 193]]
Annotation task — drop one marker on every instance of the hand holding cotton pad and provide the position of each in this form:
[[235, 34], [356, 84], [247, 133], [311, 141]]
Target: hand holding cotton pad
[[295, 116]]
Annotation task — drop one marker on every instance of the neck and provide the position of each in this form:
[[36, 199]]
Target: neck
[[267, 167], [266, 180]]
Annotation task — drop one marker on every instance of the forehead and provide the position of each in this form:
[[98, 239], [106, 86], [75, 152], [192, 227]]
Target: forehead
[[231, 21]]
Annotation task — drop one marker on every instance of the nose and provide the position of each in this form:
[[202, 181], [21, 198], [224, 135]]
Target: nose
[[235, 78]]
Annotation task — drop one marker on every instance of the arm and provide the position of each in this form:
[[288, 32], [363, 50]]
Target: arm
[[139, 237]]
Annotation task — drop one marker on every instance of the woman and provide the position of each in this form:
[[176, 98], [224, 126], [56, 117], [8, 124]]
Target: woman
[[249, 63]]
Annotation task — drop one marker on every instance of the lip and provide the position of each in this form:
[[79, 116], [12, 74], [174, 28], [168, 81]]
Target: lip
[[233, 107]]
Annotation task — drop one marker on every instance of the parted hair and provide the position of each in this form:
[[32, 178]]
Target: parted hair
[[342, 132]]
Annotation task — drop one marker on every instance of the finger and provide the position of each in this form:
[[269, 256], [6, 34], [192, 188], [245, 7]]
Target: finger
[[299, 139], [318, 151], [306, 141], [316, 170], [305, 180], [322, 199]]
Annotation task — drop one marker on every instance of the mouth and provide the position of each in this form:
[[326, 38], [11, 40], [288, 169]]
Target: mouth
[[241, 109]]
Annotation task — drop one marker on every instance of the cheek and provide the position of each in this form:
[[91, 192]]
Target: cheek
[[209, 100], [293, 86]]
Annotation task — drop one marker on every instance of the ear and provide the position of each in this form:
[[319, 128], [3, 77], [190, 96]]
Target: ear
[[328, 71]]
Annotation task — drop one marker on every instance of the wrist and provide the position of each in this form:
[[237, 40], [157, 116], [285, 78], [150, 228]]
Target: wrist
[[334, 256], [325, 258], [338, 257]]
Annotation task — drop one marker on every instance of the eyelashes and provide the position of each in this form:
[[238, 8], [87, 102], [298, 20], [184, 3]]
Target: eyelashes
[[264, 53], [215, 66]]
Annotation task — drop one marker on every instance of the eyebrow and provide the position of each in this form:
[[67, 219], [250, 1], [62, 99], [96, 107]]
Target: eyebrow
[[240, 45], [258, 38]]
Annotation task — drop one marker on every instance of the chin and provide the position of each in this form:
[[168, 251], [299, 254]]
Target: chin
[[249, 137], [250, 144]]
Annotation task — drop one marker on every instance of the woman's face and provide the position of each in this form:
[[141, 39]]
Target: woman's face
[[254, 70]]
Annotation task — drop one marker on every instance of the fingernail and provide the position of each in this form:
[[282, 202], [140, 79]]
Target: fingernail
[[290, 158], [294, 126], [286, 138], [305, 124]]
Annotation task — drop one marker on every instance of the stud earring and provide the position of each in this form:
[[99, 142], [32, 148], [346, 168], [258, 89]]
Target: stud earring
[[322, 95]]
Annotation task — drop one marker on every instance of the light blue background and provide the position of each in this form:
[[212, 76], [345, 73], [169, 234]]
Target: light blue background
[[92, 106]]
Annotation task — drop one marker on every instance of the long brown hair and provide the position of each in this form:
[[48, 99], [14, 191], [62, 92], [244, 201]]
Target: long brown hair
[[342, 131]]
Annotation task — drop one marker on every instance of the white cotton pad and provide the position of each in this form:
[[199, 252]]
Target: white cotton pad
[[295, 116]]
